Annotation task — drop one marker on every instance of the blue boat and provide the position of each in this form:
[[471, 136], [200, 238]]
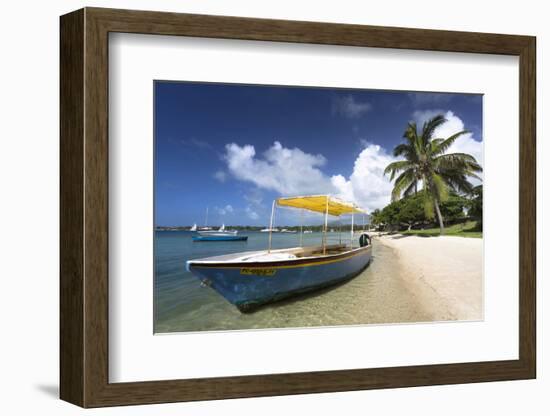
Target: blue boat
[[219, 237], [251, 279]]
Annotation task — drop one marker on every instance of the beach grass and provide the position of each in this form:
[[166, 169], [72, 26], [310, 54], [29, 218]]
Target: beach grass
[[466, 229]]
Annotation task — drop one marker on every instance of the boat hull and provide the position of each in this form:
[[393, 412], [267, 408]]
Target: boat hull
[[219, 237], [249, 285]]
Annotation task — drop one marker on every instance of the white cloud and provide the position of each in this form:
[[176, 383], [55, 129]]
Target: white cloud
[[220, 175], [464, 144], [284, 170], [367, 185], [348, 107], [294, 172], [228, 209]]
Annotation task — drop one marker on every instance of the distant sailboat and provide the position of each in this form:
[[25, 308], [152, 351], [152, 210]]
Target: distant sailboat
[[193, 228], [220, 231], [206, 227], [219, 235]]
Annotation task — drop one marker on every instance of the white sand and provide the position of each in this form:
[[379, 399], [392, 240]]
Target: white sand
[[445, 273]]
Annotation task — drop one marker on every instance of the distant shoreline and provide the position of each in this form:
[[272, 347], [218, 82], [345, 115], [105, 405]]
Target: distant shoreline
[[314, 228]]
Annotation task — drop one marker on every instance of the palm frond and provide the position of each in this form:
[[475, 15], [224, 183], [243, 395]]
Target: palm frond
[[410, 132], [410, 189], [445, 144], [457, 161], [430, 126], [402, 182], [395, 167], [457, 182], [434, 144], [405, 150]]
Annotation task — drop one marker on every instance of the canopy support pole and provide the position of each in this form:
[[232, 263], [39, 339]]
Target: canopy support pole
[[271, 225], [325, 233], [340, 230], [301, 227], [351, 237]]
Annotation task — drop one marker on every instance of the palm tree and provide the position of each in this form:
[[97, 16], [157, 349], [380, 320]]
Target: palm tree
[[426, 163]]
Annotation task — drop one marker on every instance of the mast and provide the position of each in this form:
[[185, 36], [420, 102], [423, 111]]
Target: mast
[[339, 230], [206, 218], [351, 237], [325, 233], [271, 225], [301, 227]]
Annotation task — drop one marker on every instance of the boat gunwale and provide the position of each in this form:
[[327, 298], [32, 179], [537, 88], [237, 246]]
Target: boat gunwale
[[300, 261]]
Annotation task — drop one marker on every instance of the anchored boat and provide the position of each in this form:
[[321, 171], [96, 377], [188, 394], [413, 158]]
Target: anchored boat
[[250, 279], [220, 235]]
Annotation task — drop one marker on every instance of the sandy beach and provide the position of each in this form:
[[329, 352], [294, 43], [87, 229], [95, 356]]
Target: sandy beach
[[444, 273]]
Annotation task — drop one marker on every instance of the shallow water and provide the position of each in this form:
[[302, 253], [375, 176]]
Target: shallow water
[[378, 295]]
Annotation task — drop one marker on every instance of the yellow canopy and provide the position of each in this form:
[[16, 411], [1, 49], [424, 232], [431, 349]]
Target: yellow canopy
[[318, 203]]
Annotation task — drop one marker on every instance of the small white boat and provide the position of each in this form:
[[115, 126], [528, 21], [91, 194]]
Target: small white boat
[[193, 228], [267, 230], [220, 231]]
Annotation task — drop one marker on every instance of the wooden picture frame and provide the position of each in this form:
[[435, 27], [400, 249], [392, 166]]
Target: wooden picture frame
[[84, 207]]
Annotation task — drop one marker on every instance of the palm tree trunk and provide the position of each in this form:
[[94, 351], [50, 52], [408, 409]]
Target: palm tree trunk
[[439, 218]]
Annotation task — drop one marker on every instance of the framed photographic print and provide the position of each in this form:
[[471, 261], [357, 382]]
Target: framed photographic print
[[260, 207]]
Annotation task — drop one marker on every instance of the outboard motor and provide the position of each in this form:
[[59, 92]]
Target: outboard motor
[[364, 240]]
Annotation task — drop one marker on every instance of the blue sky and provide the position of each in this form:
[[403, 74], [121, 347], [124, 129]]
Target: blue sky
[[234, 148]]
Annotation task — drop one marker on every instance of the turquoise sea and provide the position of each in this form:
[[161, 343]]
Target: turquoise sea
[[378, 295]]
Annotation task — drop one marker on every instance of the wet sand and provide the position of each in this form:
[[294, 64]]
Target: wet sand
[[410, 279], [445, 273]]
